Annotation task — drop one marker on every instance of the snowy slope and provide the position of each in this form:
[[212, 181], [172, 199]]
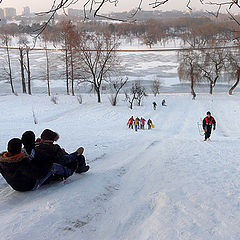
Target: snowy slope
[[160, 184]]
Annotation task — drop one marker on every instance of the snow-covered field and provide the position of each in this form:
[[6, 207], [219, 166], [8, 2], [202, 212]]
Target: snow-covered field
[[163, 184]]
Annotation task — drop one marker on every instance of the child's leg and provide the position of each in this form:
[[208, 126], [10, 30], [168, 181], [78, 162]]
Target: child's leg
[[66, 159], [56, 169]]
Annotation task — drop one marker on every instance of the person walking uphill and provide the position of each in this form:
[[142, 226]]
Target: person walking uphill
[[154, 105], [208, 123], [136, 124], [130, 122]]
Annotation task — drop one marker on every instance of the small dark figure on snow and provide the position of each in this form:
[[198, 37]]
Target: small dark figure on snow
[[130, 122], [164, 103], [149, 123], [154, 105], [208, 123], [136, 124], [194, 96], [143, 123]]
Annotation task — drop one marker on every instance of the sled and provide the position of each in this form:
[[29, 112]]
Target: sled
[[153, 126], [200, 128]]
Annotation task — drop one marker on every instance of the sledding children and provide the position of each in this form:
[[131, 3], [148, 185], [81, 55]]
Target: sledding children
[[149, 123], [208, 123], [57, 154], [130, 122], [136, 124], [154, 105], [142, 123], [24, 175]]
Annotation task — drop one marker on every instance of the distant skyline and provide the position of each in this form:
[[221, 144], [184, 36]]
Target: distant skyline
[[124, 5]]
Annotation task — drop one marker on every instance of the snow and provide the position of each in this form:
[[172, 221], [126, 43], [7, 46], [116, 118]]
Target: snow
[[165, 183]]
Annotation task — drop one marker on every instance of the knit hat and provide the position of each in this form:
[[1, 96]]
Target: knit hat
[[49, 135], [28, 140], [208, 113], [15, 146]]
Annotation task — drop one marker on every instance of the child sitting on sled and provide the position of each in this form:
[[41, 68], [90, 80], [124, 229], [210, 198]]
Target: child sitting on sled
[[58, 154]]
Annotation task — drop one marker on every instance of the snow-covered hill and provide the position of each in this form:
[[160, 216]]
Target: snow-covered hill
[[165, 183]]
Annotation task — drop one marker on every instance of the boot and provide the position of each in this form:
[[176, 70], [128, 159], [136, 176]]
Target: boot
[[73, 166], [82, 169]]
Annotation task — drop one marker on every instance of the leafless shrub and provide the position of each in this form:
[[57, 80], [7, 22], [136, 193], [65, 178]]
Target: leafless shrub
[[137, 93], [116, 86], [79, 99], [34, 117], [156, 85], [54, 99]]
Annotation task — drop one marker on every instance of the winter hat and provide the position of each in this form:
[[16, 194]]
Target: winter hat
[[15, 146], [208, 113], [28, 140], [49, 135]]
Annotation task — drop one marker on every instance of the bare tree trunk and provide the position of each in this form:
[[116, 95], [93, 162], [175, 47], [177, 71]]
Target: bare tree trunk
[[10, 70], [28, 73], [67, 77], [236, 83], [211, 88], [72, 71], [48, 72], [98, 94], [192, 82], [22, 70]]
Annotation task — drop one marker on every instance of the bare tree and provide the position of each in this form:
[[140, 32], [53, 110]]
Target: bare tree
[[130, 97], [155, 87], [141, 92], [6, 38], [97, 59], [28, 69], [24, 48], [233, 64], [46, 37], [21, 60], [137, 93], [116, 85], [69, 37], [212, 66], [189, 67]]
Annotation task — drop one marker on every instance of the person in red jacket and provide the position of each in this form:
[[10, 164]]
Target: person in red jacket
[[208, 123], [130, 122]]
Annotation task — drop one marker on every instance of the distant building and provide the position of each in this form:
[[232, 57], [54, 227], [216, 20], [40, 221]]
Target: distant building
[[74, 12], [26, 11], [1, 13], [10, 12]]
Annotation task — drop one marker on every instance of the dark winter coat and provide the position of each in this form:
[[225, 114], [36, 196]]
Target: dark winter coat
[[54, 151], [19, 172], [209, 122], [149, 122], [41, 160]]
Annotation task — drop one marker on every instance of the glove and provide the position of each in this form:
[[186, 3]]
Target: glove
[[214, 128]]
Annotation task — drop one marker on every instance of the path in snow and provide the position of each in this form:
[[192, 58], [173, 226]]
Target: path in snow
[[161, 184]]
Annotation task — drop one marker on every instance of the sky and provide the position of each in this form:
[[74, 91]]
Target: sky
[[124, 5]]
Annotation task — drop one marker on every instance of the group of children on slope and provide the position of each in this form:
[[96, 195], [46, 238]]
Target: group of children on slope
[[139, 123], [39, 161]]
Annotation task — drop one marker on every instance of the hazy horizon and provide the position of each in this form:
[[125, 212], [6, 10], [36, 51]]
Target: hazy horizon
[[123, 5]]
